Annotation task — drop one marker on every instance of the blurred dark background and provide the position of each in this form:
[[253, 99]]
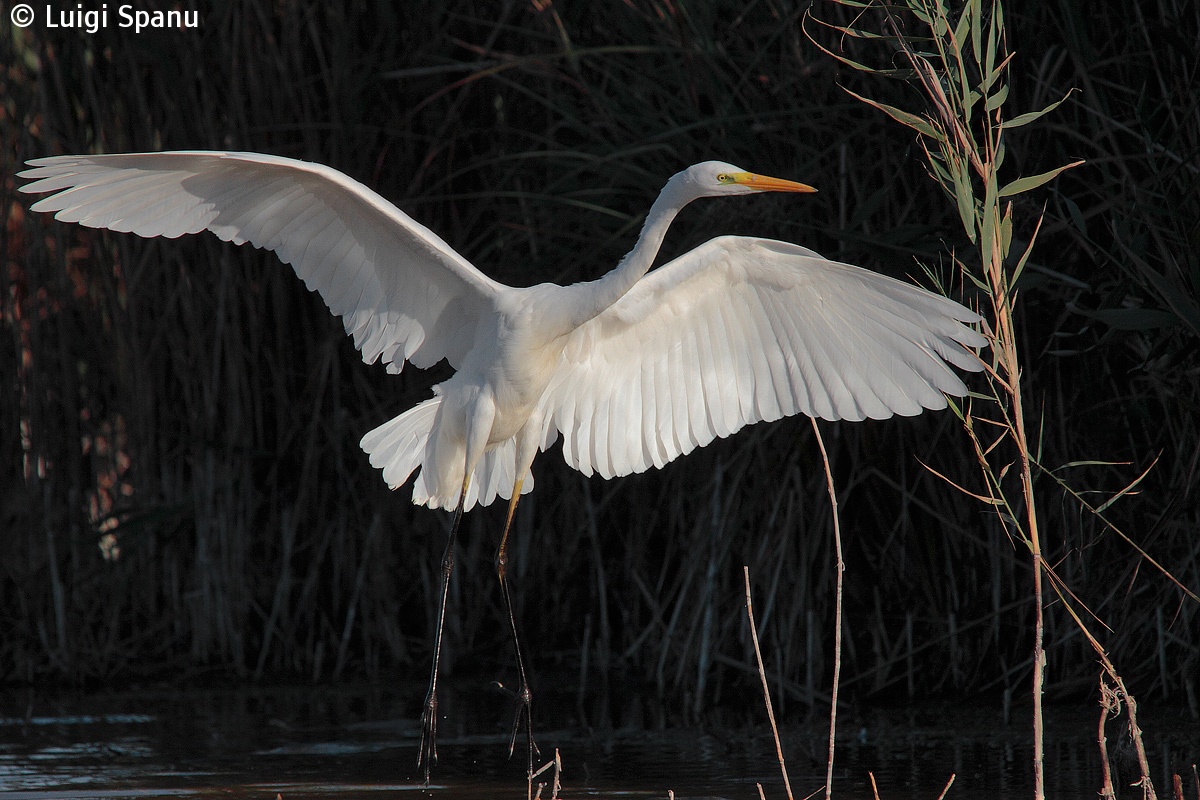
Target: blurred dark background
[[183, 497]]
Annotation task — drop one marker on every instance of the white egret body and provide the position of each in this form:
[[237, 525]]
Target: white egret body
[[633, 370]]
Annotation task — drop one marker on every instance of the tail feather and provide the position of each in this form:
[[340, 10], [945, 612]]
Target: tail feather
[[398, 445], [401, 445]]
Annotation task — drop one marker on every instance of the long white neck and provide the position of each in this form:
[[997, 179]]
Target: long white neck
[[591, 298]]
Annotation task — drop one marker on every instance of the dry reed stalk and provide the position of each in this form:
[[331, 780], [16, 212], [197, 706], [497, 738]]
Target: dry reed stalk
[[1135, 733], [762, 674], [1109, 704], [554, 764], [837, 609]]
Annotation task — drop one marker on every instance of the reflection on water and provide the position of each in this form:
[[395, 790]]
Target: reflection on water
[[325, 742]]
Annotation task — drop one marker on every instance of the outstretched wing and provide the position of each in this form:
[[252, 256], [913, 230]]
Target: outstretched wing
[[742, 330], [402, 292]]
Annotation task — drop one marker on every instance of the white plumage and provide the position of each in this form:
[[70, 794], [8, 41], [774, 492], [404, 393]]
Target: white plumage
[[633, 370], [743, 330]]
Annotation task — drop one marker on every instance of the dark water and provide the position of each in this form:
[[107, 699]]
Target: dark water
[[320, 742]]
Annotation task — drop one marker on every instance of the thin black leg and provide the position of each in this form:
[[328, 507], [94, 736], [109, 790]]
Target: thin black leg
[[428, 752], [524, 694]]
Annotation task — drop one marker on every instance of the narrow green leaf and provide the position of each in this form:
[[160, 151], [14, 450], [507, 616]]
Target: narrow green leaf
[[848, 62], [972, 97], [1024, 119], [989, 216], [1028, 117], [1100, 509], [940, 172], [859, 33], [940, 25], [996, 100], [918, 124], [965, 198], [976, 30], [1021, 185], [959, 84], [1006, 234], [987, 229], [1028, 248], [961, 29], [987, 80], [989, 59], [1088, 463]]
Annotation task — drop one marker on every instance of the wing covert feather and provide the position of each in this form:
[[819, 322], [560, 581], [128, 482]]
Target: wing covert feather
[[742, 330]]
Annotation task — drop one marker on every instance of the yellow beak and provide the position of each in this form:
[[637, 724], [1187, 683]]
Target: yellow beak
[[764, 183]]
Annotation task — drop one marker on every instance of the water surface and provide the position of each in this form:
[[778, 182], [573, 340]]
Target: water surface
[[343, 742]]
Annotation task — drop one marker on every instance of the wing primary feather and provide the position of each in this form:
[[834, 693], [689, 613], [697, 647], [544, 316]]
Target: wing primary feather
[[171, 217], [650, 445], [724, 370], [664, 430], [121, 204], [566, 421], [801, 380], [601, 455], [584, 426], [691, 424], [710, 377], [772, 352], [678, 377], [819, 341], [82, 200], [739, 409], [764, 402], [632, 456]]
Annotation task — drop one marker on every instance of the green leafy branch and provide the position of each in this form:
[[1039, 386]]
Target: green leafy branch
[[960, 64]]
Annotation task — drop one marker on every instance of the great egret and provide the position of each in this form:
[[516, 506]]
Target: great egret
[[632, 370]]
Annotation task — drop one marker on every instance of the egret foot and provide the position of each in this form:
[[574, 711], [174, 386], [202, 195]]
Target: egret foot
[[427, 754]]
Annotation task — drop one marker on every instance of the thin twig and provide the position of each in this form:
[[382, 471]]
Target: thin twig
[[1108, 705], [837, 613], [762, 674]]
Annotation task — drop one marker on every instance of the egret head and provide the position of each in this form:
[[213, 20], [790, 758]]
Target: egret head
[[717, 178]]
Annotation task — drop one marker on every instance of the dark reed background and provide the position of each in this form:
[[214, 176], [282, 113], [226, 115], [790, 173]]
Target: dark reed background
[[183, 495]]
